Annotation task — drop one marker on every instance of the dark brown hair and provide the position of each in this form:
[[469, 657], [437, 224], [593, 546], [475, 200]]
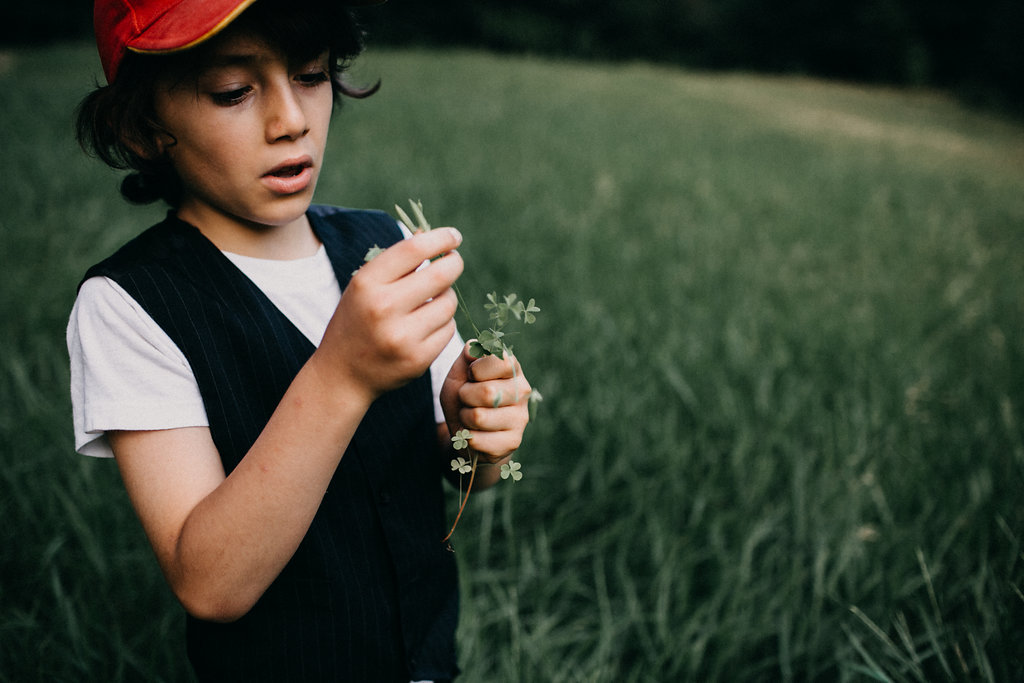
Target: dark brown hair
[[118, 122]]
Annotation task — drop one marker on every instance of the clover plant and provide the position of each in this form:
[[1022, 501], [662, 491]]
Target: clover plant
[[501, 312]]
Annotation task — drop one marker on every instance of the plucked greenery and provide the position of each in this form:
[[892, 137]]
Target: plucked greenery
[[781, 354]]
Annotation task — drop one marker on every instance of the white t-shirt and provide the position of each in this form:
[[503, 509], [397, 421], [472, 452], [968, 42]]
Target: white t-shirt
[[126, 373]]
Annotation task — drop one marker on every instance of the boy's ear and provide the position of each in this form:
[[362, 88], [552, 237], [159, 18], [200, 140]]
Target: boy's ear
[[162, 140], [150, 144]]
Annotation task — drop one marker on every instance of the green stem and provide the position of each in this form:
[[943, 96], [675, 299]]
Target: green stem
[[462, 506], [465, 309]]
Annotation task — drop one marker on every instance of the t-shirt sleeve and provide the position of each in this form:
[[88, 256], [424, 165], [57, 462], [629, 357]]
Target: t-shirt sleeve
[[439, 370], [126, 373]]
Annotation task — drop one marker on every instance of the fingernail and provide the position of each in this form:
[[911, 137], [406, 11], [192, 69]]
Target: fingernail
[[457, 235]]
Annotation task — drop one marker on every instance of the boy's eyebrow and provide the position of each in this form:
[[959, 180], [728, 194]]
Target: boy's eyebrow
[[220, 60]]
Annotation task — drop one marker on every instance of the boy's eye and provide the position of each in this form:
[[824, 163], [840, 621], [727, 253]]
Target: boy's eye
[[314, 78], [230, 97]]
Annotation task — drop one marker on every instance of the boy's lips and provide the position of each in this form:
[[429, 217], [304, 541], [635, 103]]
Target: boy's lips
[[289, 177]]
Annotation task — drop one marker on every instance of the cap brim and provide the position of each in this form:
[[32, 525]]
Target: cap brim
[[191, 22]]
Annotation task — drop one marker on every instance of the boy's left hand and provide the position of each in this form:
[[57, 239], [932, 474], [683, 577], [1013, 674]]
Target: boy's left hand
[[490, 397]]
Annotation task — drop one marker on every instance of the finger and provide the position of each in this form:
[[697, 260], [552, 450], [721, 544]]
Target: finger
[[458, 374], [438, 339], [494, 393], [493, 446], [405, 256], [434, 315], [418, 288], [433, 279], [491, 367], [504, 419]]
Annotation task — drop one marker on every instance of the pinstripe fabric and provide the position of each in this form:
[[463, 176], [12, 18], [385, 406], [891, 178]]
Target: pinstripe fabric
[[371, 593]]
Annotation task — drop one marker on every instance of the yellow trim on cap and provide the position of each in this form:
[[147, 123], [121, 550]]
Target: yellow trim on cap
[[221, 25]]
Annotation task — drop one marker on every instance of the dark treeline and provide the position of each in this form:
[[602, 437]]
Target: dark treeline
[[970, 48]]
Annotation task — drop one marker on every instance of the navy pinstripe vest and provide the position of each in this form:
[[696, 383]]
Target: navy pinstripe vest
[[371, 593]]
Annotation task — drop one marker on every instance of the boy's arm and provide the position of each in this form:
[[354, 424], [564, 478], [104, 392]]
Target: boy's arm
[[222, 540]]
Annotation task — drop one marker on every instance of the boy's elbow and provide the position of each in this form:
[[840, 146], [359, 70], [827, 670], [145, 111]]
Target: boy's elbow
[[221, 609], [214, 595]]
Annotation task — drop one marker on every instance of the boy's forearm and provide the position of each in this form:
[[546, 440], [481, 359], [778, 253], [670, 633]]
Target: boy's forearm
[[237, 540]]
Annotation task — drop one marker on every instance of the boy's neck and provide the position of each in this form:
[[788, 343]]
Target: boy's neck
[[285, 242]]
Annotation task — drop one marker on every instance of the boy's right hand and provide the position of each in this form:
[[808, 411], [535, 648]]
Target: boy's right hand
[[394, 317]]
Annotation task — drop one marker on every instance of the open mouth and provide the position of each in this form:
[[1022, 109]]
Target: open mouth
[[290, 168], [287, 171], [291, 176]]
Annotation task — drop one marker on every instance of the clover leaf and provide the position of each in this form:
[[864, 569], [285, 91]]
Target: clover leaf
[[528, 314], [373, 253], [461, 466], [512, 469], [461, 439]]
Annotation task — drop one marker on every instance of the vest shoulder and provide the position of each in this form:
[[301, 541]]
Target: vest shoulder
[[341, 218], [149, 248], [169, 239]]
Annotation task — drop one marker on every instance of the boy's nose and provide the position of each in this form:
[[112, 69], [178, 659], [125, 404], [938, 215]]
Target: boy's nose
[[286, 118]]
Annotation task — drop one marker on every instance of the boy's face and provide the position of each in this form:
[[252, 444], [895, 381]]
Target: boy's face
[[247, 136]]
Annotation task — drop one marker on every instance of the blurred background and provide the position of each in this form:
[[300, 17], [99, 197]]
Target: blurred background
[[778, 249], [972, 49]]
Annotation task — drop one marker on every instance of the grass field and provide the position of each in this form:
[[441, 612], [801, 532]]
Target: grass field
[[781, 346]]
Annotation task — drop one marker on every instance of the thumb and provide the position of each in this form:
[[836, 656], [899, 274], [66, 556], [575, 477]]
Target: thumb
[[458, 375]]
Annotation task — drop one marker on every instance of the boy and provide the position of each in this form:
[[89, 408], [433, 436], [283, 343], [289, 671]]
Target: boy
[[275, 407]]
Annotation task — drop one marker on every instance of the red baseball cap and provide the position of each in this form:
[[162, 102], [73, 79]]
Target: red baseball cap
[[157, 26]]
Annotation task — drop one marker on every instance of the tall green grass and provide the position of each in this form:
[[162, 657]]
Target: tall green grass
[[781, 350]]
